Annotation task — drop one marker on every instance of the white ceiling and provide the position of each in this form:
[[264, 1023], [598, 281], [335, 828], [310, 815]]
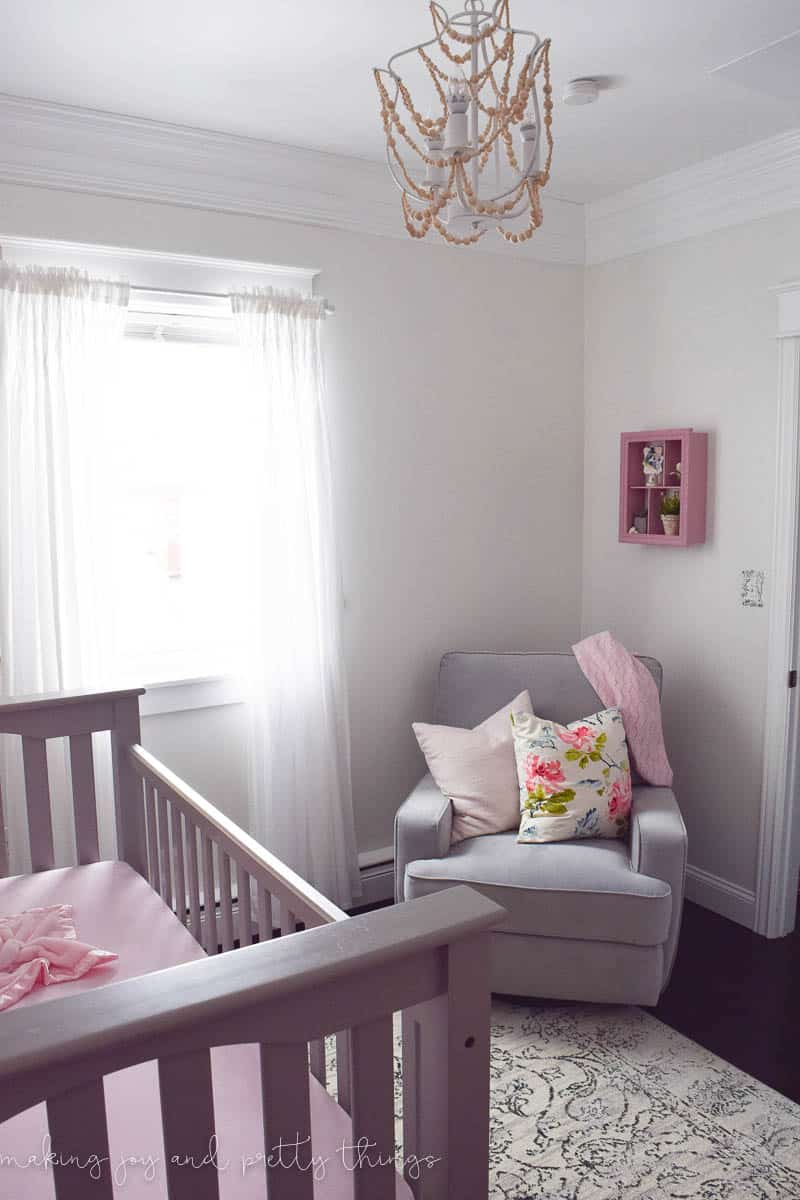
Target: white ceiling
[[298, 72]]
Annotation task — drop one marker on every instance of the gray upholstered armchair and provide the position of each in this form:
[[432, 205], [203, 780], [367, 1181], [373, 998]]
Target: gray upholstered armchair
[[587, 920]]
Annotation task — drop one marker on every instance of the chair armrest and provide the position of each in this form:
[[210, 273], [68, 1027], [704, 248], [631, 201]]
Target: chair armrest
[[658, 849], [421, 829]]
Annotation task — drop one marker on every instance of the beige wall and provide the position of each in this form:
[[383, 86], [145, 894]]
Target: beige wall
[[685, 336], [456, 394]]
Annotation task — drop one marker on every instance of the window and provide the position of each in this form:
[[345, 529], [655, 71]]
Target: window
[[172, 457], [177, 443]]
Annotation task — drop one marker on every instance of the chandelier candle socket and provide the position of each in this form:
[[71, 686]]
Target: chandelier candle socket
[[443, 184]]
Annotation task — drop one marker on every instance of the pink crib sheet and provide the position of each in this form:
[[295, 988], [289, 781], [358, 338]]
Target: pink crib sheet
[[115, 908]]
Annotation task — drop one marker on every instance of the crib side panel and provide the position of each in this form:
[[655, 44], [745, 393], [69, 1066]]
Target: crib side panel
[[75, 716], [429, 956]]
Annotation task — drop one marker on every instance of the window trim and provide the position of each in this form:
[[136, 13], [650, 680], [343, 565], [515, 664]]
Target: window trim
[[184, 695], [157, 269], [178, 317]]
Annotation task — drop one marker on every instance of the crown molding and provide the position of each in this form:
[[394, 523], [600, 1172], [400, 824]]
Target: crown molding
[[75, 149], [730, 189], [81, 150]]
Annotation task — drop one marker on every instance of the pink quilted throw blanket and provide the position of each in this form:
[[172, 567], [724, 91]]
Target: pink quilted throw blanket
[[40, 947], [622, 682]]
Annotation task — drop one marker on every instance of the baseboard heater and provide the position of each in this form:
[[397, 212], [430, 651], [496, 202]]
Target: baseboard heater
[[376, 868]]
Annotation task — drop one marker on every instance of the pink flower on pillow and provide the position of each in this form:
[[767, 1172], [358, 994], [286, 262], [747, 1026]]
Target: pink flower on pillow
[[543, 772], [581, 738], [619, 802]]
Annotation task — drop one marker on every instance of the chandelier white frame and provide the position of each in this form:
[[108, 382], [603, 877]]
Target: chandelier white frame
[[457, 149]]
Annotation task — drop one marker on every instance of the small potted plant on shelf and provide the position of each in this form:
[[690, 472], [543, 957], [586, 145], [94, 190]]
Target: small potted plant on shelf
[[670, 513]]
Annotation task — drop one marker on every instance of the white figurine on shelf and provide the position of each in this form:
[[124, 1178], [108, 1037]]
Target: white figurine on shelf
[[653, 465]]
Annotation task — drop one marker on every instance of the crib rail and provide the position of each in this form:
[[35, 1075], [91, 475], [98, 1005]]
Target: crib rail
[[195, 854], [340, 976], [428, 958]]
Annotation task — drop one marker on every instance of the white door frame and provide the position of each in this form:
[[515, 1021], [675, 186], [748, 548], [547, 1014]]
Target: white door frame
[[779, 841]]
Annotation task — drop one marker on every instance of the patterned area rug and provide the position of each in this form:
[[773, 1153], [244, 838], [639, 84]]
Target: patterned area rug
[[596, 1103], [593, 1103]]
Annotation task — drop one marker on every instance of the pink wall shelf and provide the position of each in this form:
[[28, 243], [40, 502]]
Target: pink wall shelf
[[641, 502]]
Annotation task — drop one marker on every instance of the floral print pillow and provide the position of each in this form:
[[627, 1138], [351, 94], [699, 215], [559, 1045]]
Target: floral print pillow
[[574, 780]]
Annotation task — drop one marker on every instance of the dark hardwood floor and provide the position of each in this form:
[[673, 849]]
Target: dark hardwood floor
[[738, 995], [735, 993]]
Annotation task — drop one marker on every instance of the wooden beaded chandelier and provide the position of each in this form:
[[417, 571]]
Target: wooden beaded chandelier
[[470, 139]]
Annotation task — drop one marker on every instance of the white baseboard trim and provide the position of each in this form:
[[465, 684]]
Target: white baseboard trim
[[721, 896], [376, 868], [710, 891]]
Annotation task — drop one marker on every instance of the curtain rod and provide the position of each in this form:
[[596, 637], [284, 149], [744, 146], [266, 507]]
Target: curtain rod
[[328, 308]]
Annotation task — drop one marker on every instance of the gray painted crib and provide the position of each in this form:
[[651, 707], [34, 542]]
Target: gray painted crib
[[276, 1001]]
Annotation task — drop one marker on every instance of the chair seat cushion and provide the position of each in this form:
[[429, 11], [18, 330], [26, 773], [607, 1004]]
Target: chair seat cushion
[[582, 890]]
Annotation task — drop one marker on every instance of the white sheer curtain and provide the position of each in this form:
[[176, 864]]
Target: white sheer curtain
[[58, 333], [300, 793]]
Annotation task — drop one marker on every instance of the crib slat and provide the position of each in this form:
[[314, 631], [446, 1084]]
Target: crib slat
[[179, 870], [193, 879], [37, 796], [84, 801], [245, 916], [3, 839], [372, 1094], [187, 1116], [316, 1055], [226, 904], [264, 915], [287, 1118], [163, 848], [79, 1132], [288, 920], [343, 1090], [210, 938], [316, 1049], [154, 869]]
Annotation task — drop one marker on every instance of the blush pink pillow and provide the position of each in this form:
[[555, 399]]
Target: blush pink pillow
[[477, 770]]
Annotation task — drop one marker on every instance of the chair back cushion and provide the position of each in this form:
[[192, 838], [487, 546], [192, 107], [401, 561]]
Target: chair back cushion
[[476, 769], [474, 684]]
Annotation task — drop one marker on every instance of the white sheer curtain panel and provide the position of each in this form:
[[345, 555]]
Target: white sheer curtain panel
[[59, 331], [300, 790]]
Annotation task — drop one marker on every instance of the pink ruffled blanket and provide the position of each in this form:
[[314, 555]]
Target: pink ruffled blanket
[[40, 947], [622, 681]]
